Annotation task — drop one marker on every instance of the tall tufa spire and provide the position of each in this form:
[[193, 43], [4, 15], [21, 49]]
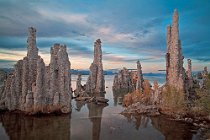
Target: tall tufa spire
[[174, 59], [97, 52], [96, 82], [139, 83], [32, 50]]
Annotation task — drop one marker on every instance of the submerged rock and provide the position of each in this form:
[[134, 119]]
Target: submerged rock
[[139, 108], [93, 99]]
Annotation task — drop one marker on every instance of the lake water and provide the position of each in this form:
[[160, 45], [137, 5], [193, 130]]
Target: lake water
[[95, 122]]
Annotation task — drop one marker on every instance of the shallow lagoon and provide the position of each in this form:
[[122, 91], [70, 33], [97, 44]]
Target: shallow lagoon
[[95, 122]]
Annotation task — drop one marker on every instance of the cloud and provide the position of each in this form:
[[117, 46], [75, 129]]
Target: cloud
[[129, 31], [69, 18], [204, 59]]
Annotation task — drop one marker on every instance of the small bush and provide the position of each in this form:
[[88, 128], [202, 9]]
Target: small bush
[[203, 100], [146, 87], [173, 99], [127, 100]]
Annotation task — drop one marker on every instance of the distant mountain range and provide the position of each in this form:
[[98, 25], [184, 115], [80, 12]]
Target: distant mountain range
[[111, 72], [106, 72], [86, 72]]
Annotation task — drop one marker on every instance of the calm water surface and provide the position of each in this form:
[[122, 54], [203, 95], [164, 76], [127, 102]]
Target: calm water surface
[[95, 122]]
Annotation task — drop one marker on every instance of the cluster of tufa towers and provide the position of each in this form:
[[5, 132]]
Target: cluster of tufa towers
[[176, 76], [35, 88]]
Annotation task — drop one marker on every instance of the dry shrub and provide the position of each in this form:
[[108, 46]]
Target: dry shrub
[[127, 100], [173, 100], [202, 103], [155, 86], [146, 87], [138, 96]]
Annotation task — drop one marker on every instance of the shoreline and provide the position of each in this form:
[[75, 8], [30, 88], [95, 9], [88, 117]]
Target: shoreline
[[153, 111]]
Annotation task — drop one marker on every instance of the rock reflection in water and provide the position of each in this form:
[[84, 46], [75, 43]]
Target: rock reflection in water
[[95, 112], [138, 120], [79, 105], [119, 95], [20, 127], [95, 116], [172, 130]]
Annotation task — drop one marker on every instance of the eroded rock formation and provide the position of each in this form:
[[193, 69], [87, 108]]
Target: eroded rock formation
[[60, 78], [128, 81], [78, 86], [96, 82], [124, 80], [175, 73], [176, 76], [189, 74], [33, 87], [3, 76], [140, 80], [80, 89], [205, 71]]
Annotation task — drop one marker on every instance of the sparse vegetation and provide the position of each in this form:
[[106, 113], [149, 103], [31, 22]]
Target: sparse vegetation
[[155, 86], [146, 87], [202, 103], [173, 100], [138, 96]]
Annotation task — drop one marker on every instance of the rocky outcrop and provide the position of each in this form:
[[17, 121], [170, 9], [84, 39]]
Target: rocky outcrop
[[33, 87], [124, 80], [205, 71], [139, 108], [201, 77], [96, 82], [60, 78], [189, 73], [40, 91], [128, 81], [80, 89], [78, 86], [3, 76], [175, 73], [140, 80], [189, 85]]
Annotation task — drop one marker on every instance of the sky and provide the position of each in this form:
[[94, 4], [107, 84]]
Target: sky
[[130, 30]]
